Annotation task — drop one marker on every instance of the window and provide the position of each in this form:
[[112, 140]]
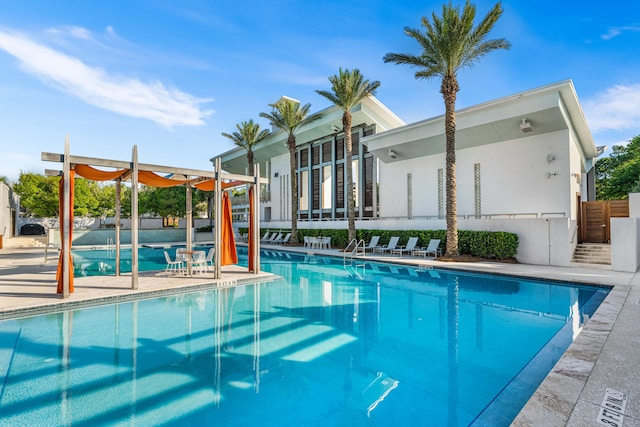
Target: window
[[356, 186], [340, 186], [304, 190], [327, 182]]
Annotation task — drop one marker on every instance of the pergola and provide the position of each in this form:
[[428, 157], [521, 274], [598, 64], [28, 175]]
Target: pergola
[[140, 173]]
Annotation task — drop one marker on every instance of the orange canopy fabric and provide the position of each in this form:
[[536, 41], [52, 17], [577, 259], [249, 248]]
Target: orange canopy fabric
[[154, 180], [94, 174], [209, 184], [65, 222], [228, 244], [252, 248]]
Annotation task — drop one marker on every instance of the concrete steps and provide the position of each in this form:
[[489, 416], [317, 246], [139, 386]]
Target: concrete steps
[[24, 241], [593, 253]]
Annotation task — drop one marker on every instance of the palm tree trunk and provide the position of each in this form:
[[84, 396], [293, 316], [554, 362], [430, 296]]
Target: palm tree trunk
[[449, 90], [250, 162], [291, 144], [351, 211]]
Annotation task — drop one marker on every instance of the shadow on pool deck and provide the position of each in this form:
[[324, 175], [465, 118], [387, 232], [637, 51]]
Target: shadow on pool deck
[[604, 355]]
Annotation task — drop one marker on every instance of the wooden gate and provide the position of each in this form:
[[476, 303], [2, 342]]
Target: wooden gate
[[596, 217]]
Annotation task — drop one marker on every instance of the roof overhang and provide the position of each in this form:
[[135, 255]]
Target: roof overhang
[[548, 109], [368, 112]]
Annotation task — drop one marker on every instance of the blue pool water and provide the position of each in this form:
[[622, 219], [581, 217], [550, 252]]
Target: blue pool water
[[328, 345], [102, 261]]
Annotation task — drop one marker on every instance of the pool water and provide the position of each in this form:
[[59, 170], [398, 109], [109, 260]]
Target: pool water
[[102, 261], [329, 344]]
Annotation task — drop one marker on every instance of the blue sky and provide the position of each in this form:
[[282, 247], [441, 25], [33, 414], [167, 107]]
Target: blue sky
[[171, 76]]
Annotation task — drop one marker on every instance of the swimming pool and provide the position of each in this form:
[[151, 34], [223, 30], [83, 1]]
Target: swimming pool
[[329, 344]]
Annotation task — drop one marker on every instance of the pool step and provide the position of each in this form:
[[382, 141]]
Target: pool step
[[593, 253]]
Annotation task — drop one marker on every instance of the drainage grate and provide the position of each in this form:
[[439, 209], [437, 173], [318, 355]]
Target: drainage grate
[[612, 409]]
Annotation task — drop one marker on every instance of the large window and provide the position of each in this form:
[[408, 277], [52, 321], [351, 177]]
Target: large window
[[322, 170], [327, 183], [304, 190]]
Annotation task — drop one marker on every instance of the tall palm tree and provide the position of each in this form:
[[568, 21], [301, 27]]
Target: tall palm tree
[[448, 45], [349, 88], [289, 116], [247, 137]]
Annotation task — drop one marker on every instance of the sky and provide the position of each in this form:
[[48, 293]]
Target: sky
[[171, 76]]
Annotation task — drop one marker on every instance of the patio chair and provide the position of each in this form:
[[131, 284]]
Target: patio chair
[[307, 242], [411, 245], [393, 242], [373, 243], [432, 248], [199, 262], [174, 266], [208, 261]]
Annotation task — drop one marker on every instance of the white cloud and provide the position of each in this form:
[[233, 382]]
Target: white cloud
[[616, 31], [121, 94], [614, 109], [76, 32]]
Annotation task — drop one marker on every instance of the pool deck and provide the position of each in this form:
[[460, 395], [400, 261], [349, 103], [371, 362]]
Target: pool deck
[[606, 354]]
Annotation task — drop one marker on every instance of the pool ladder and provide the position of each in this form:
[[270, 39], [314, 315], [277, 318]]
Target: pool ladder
[[111, 247], [354, 268], [355, 247]]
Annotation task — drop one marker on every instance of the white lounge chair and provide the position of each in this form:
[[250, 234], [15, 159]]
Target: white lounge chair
[[393, 242], [432, 248], [373, 243], [266, 236], [275, 240], [286, 239], [174, 266], [411, 245]]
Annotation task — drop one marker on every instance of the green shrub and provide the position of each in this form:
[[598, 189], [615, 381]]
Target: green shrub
[[485, 244]]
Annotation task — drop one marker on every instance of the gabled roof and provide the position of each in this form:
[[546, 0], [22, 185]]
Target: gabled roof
[[548, 109], [369, 111]]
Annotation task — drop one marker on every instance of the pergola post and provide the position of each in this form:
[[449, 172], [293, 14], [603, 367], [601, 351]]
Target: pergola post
[[217, 213], [189, 216], [134, 218], [118, 214], [255, 219], [65, 223]]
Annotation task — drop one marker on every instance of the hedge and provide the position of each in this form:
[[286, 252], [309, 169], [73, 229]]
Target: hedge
[[485, 244]]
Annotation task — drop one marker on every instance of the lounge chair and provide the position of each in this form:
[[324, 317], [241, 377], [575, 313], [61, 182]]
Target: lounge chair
[[265, 237], [270, 237], [175, 266], [276, 239], [432, 248], [411, 245], [373, 243], [393, 242], [286, 239]]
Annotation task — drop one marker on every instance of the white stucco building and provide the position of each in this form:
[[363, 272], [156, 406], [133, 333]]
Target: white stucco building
[[526, 155], [524, 163]]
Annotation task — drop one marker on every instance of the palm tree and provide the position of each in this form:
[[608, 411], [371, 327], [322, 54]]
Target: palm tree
[[247, 137], [348, 89], [289, 116], [448, 45]]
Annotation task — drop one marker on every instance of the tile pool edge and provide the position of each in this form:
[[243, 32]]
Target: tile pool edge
[[555, 399]]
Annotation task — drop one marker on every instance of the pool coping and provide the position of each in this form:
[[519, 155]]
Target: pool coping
[[600, 357]]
